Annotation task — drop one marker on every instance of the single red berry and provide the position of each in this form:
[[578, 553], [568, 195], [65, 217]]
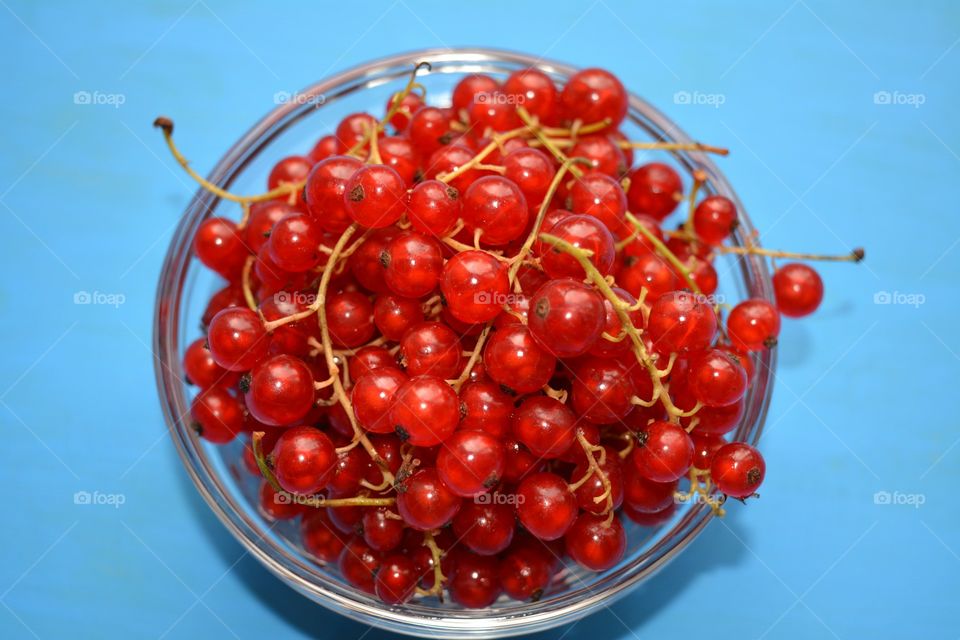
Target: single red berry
[[372, 397], [798, 289], [359, 564], [290, 170], [382, 529], [650, 272], [475, 286], [486, 528], [433, 207], [598, 195], [526, 570], [655, 190], [303, 459], [278, 506], [603, 389], [545, 426], [738, 469], [430, 129], [583, 232], [320, 538], [368, 359], [325, 188], [217, 414], [596, 544], [280, 391], [714, 218], [295, 243], [534, 91], [413, 263], [515, 361], [425, 502], [594, 487], [425, 411], [567, 317], [349, 318], [681, 321], [716, 378], [398, 153], [353, 130], [646, 496], [594, 95], [705, 447], [375, 196], [323, 149], [236, 339], [405, 108], [202, 370], [483, 405], [396, 579], [545, 505], [474, 583], [464, 94], [532, 171], [495, 206], [471, 463], [366, 263], [431, 348], [220, 247], [664, 452], [394, 314], [604, 154], [753, 325]]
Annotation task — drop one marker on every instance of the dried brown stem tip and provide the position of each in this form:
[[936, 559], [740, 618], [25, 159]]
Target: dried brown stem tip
[[165, 123], [858, 254]]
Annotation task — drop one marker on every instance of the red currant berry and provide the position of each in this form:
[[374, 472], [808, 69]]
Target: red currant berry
[[236, 339], [325, 189], [396, 579], [545, 426], [596, 544], [798, 289], [594, 95], [714, 218], [655, 190], [484, 406], [603, 389], [664, 452], [534, 90], [598, 195], [474, 583], [433, 208], [280, 391], [753, 325], [408, 105], [545, 505], [431, 348], [303, 459], [474, 285], [515, 361], [567, 317], [650, 272], [646, 496], [716, 378], [349, 319], [425, 411], [467, 89], [295, 243], [604, 154], [705, 447], [532, 171], [202, 370], [353, 130], [526, 570], [368, 359], [359, 564], [737, 469], [413, 264], [485, 528], [219, 247], [375, 196], [320, 538], [471, 462], [681, 321], [583, 232], [372, 397], [496, 207], [425, 503], [217, 415], [278, 506], [429, 130], [382, 529]]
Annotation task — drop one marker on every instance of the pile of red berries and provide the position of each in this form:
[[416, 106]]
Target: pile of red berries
[[463, 345]]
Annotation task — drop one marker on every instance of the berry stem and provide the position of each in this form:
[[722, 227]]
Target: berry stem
[[438, 578], [857, 255], [166, 125], [474, 357], [245, 283], [394, 107], [664, 251]]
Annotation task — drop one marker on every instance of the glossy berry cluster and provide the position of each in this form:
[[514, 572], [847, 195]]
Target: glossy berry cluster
[[462, 344]]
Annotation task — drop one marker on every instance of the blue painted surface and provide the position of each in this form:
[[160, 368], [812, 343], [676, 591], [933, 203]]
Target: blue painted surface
[[864, 399]]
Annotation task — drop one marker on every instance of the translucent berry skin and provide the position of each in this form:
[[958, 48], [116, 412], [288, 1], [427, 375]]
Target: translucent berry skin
[[514, 360], [433, 207], [323, 149], [705, 447], [680, 321], [429, 130], [496, 206], [263, 215], [526, 570], [753, 325], [396, 579], [425, 502], [520, 462], [602, 389], [603, 153], [650, 272], [303, 459], [381, 531], [798, 289], [646, 496], [202, 370], [398, 154], [290, 170], [425, 411], [716, 378], [593, 488], [394, 314], [409, 105], [545, 426], [471, 463], [598, 195], [359, 564], [714, 218], [533, 89], [613, 327], [281, 391], [413, 264], [567, 317], [738, 469], [372, 396], [368, 359], [366, 263], [320, 538], [349, 319], [219, 247], [375, 196], [484, 406], [294, 243], [465, 93], [583, 232], [218, 414], [594, 544], [655, 190], [236, 339], [593, 95], [532, 171], [664, 452], [485, 528], [545, 506], [474, 285], [325, 188], [474, 583], [431, 348]]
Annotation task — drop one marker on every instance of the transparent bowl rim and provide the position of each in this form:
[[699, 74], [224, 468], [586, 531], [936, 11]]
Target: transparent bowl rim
[[297, 572]]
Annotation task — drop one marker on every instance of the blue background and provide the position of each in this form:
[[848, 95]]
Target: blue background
[[864, 400]]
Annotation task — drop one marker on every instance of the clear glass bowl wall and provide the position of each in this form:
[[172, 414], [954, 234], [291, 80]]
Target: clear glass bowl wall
[[185, 286]]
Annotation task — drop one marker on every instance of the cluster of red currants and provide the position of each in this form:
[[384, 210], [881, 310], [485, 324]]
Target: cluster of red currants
[[466, 348]]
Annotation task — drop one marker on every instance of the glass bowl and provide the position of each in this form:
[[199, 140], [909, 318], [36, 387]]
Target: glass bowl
[[292, 128]]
